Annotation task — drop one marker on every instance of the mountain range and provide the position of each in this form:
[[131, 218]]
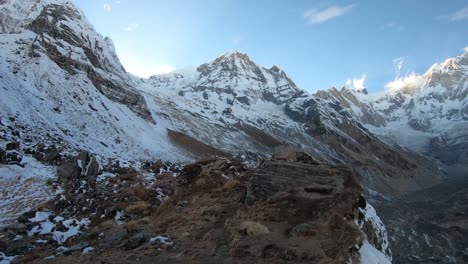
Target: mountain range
[[63, 86]]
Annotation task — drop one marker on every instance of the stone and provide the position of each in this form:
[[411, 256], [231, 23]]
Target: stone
[[12, 146], [2, 156], [115, 239], [13, 158], [156, 166], [93, 168], [51, 154], [17, 228], [76, 247], [83, 158], [24, 218], [189, 173], [138, 239], [68, 171]]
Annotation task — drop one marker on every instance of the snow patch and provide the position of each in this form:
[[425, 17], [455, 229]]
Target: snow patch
[[46, 226], [370, 255]]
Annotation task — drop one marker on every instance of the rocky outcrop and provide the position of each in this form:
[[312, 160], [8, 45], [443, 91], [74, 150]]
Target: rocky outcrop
[[286, 210]]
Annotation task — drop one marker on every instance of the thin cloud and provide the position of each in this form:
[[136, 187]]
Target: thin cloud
[[398, 64], [107, 7], [459, 15], [146, 71], [132, 27], [392, 25], [316, 16]]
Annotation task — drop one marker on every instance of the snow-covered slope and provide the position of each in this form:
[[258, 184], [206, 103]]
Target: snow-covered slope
[[427, 113], [62, 81]]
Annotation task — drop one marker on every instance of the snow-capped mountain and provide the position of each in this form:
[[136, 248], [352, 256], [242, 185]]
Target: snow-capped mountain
[[62, 86], [237, 78], [68, 85], [428, 113]]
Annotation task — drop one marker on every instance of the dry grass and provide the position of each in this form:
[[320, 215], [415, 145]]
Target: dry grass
[[253, 228]]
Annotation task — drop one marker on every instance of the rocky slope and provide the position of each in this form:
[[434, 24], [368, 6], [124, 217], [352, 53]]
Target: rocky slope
[[428, 113], [431, 222], [288, 209], [64, 91]]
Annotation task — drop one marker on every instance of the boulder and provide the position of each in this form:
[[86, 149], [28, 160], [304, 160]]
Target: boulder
[[51, 154], [189, 173], [68, 171], [24, 218], [16, 228], [138, 240], [2, 156], [12, 146], [12, 158], [115, 238], [92, 168], [156, 166]]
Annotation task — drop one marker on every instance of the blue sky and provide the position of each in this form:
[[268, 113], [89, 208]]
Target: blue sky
[[319, 44]]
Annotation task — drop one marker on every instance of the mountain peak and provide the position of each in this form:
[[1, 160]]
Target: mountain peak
[[234, 54], [18, 13], [237, 58]]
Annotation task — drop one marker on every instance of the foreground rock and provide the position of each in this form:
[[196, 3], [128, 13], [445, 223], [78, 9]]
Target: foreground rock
[[288, 210]]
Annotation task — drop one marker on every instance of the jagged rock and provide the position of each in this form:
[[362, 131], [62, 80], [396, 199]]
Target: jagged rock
[[2, 156], [115, 239], [289, 154], [77, 247], [157, 166], [420, 125], [69, 171], [52, 154], [12, 146], [17, 228], [93, 168], [24, 218], [138, 239], [13, 158], [189, 173], [16, 248]]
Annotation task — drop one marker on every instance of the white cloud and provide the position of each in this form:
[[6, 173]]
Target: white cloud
[[107, 7], [465, 50], [392, 25], [357, 84], [144, 69], [406, 84], [398, 64], [459, 15], [132, 27], [316, 16]]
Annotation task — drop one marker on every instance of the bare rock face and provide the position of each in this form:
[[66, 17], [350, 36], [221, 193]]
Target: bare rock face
[[74, 46]]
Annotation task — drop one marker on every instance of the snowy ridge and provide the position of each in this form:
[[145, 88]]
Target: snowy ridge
[[81, 117], [16, 14], [378, 249], [233, 76], [414, 110]]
